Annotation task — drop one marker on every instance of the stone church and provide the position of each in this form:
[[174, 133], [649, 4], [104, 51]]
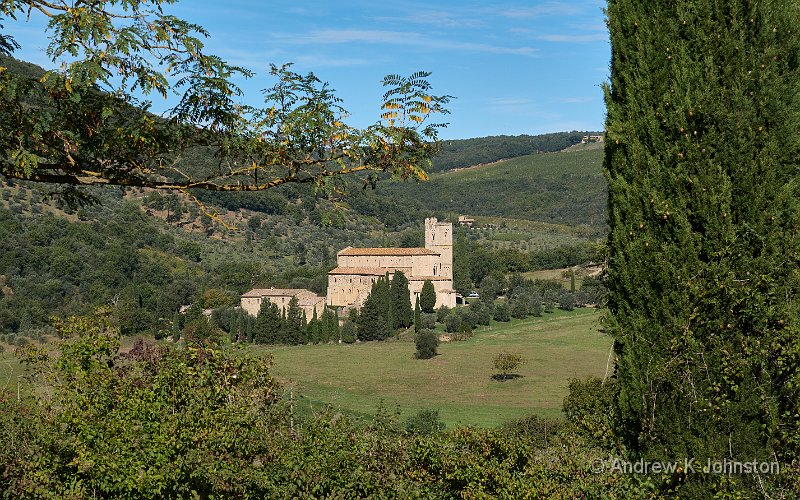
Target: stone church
[[358, 268]]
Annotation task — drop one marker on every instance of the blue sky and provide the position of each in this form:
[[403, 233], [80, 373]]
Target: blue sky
[[514, 67]]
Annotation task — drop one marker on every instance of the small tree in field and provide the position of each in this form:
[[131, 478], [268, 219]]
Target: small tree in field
[[427, 343], [505, 363]]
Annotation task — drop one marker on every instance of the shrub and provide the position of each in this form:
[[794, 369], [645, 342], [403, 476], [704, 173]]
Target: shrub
[[441, 313], [589, 406], [501, 312], [464, 332], [424, 422], [427, 321], [453, 322], [426, 342], [348, 332]]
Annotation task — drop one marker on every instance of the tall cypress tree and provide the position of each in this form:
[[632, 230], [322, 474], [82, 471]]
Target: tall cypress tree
[[295, 324], [701, 156], [373, 318], [417, 315], [401, 301], [427, 297], [268, 325]]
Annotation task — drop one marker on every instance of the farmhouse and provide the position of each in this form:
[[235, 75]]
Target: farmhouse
[[307, 300], [358, 268]]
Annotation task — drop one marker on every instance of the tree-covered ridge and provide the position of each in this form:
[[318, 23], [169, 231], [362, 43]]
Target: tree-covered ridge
[[462, 153], [564, 188]]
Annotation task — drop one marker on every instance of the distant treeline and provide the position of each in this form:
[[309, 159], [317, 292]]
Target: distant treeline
[[469, 152], [472, 263]]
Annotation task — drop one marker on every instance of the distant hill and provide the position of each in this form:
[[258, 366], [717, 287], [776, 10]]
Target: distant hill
[[469, 152], [562, 188]]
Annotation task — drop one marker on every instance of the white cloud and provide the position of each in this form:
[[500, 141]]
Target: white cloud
[[546, 9], [408, 38], [574, 100], [575, 38], [509, 101]]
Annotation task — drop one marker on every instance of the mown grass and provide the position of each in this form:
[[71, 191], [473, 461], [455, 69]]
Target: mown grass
[[356, 378]]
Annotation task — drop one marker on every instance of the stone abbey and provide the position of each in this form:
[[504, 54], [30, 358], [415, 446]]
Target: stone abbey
[[357, 269]]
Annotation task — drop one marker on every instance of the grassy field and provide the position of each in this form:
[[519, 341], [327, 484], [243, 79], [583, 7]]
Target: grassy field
[[355, 378]]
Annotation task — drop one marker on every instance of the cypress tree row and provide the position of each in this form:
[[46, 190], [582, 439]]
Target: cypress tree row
[[702, 155]]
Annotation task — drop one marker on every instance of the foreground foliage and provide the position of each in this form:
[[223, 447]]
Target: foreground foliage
[[164, 421], [701, 157]]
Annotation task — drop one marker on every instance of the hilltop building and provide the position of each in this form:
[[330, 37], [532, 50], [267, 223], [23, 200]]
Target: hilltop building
[[358, 268], [463, 220], [307, 300]]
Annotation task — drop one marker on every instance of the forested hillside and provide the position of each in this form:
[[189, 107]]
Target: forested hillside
[[562, 188], [468, 152]]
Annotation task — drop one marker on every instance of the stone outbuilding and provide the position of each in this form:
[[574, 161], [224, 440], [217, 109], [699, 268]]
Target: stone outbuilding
[[307, 300]]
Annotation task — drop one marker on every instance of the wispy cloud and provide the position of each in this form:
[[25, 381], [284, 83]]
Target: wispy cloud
[[443, 19], [319, 61], [573, 100], [575, 38], [407, 38], [546, 9], [509, 101]]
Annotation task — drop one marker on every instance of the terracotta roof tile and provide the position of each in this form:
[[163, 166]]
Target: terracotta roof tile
[[278, 292], [387, 251], [369, 271]]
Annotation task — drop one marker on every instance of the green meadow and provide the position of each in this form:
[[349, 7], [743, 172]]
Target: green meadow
[[357, 378]]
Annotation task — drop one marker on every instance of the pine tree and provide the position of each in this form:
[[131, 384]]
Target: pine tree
[[401, 301], [373, 318], [315, 332], [427, 297], [268, 325], [701, 156], [417, 315], [295, 329]]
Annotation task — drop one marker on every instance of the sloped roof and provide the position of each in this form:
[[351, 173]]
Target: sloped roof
[[428, 278], [350, 251], [279, 292], [368, 271]]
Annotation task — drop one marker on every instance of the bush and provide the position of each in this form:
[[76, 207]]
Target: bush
[[589, 406], [464, 332], [426, 342], [348, 332], [441, 313], [501, 312], [427, 321], [453, 322], [424, 422]]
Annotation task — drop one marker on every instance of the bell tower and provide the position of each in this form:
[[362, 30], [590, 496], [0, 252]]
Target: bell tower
[[439, 238]]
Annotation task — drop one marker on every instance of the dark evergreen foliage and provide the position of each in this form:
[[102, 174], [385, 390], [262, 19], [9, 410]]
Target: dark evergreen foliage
[[701, 157], [294, 328], [427, 343], [401, 301], [269, 324], [373, 318], [427, 297]]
